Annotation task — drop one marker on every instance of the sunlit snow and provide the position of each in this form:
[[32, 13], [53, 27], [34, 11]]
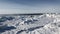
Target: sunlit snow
[[30, 24]]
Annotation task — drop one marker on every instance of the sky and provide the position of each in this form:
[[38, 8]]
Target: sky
[[29, 6]]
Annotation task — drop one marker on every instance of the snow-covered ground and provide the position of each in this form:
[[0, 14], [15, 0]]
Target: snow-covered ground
[[30, 24]]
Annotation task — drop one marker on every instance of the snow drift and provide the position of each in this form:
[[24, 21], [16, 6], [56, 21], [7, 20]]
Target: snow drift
[[30, 24]]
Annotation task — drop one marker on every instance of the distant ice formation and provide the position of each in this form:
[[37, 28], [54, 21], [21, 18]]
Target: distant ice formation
[[30, 24]]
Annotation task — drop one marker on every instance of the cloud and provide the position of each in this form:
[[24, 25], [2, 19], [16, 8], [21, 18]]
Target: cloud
[[28, 6], [31, 10]]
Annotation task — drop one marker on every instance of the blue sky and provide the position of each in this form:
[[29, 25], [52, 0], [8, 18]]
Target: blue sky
[[29, 6]]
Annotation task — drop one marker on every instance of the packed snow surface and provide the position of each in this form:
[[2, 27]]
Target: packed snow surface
[[30, 24]]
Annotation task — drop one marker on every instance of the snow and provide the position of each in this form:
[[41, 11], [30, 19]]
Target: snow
[[33, 24]]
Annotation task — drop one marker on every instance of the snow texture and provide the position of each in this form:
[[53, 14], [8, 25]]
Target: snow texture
[[30, 24]]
